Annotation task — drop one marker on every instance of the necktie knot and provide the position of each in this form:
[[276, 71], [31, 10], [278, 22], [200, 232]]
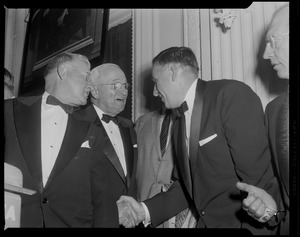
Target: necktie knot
[[51, 100], [107, 118], [178, 112]]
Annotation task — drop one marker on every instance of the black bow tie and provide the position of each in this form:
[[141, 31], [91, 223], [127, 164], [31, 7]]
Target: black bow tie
[[51, 100], [178, 112], [106, 118]]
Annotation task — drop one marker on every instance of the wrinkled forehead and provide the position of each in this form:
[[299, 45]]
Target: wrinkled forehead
[[108, 74]]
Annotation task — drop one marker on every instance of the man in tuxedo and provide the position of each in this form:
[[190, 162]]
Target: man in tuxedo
[[114, 172], [277, 121], [53, 149], [156, 162], [219, 139]]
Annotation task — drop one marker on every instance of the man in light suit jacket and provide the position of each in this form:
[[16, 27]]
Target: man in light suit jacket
[[155, 167], [114, 172], [54, 150], [224, 142]]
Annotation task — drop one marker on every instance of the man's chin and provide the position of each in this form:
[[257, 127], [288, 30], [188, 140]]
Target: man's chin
[[282, 75]]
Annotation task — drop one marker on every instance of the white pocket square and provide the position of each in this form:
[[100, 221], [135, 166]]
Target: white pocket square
[[86, 144], [206, 140], [135, 146]]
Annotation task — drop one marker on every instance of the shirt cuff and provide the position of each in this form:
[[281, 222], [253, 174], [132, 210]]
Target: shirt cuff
[[147, 220]]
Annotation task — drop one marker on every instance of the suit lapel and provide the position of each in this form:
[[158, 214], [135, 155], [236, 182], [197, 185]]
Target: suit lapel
[[184, 164], [28, 126], [196, 120], [111, 154], [128, 150], [106, 144], [89, 113], [75, 134], [156, 132]]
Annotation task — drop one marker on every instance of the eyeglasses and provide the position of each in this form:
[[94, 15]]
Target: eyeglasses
[[118, 85], [275, 39]]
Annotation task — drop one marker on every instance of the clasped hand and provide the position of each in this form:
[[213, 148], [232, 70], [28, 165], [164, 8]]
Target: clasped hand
[[131, 212]]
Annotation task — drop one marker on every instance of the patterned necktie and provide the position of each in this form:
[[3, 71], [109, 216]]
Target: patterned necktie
[[51, 100], [164, 132], [107, 118]]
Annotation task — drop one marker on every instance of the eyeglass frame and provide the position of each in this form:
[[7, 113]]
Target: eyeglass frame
[[117, 84], [275, 39]]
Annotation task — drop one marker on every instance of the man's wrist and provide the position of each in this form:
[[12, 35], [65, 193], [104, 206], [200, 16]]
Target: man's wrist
[[276, 218], [147, 219]]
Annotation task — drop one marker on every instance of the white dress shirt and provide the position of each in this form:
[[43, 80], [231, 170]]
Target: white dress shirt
[[114, 135], [53, 127]]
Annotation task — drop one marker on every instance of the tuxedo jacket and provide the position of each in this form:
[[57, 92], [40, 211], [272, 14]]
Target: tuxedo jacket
[[66, 200], [153, 170], [228, 144], [277, 125], [107, 177]]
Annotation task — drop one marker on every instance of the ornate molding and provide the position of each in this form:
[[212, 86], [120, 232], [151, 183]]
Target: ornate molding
[[226, 17]]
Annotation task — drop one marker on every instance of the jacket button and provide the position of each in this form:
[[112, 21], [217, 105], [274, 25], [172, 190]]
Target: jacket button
[[45, 201], [202, 213]]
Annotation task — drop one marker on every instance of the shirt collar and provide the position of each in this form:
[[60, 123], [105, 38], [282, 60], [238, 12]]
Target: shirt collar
[[190, 96], [44, 99], [99, 112]]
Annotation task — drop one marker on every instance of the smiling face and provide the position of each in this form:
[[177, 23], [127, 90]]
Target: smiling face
[[277, 44], [165, 87], [107, 97]]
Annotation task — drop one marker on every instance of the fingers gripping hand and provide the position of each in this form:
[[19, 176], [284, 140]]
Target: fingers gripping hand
[[136, 208], [127, 216], [258, 204]]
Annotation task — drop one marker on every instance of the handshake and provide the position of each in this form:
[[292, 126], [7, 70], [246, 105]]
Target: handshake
[[131, 213]]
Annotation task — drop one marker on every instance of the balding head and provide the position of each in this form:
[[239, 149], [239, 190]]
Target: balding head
[[277, 42], [280, 20], [66, 78], [101, 74]]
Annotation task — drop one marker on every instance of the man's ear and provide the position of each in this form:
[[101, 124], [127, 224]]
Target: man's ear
[[62, 71], [94, 92]]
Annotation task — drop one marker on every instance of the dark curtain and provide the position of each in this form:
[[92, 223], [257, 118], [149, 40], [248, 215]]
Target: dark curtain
[[118, 50]]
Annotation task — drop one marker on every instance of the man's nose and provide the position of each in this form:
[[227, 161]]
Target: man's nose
[[268, 52], [155, 92]]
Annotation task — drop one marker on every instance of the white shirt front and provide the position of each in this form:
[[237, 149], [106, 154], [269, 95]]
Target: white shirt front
[[189, 98], [114, 135], [53, 127]]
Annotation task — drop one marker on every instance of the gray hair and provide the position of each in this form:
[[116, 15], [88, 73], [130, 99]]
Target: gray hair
[[62, 58]]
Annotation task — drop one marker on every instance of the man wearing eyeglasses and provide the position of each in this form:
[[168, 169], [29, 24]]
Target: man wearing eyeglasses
[[114, 173], [52, 148], [277, 125]]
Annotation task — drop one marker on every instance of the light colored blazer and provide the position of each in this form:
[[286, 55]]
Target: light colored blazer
[[153, 171]]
